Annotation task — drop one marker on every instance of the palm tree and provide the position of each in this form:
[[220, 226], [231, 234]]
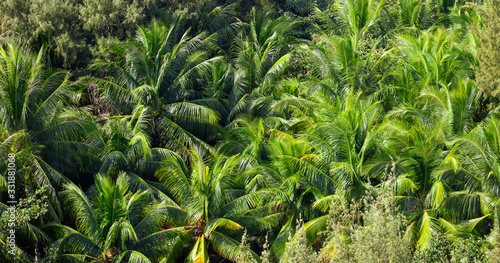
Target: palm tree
[[126, 144], [210, 205], [416, 14], [261, 54], [219, 20], [160, 72], [419, 156], [359, 16], [441, 58], [248, 137], [46, 135], [296, 177], [346, 58], [431, 182], [479, 150], [113, 224], [437, 57], [344, 134]]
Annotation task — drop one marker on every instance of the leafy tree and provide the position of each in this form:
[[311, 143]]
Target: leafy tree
[[25, 212], [75, 30], [371, 231], [297, 249]]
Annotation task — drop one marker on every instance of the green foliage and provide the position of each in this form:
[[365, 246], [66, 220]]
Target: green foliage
[[370, 231], [366, 119], [493, 255], [460, 250], [299, 7], [488, 52], [381, 238], [438, 251], [27, 212], [468, 250], [27, 209], [266, 255], [296, 249], [73, 30], [245, 256]]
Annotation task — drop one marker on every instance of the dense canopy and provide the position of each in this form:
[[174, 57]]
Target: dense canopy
[[249, 131]]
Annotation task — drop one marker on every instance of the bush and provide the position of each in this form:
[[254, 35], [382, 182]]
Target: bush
[[468, 250], [488, 53], [375, 235], [297, 250], [443, 250], [439, 251]]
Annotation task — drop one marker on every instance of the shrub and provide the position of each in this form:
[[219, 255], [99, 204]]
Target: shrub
[[374, 235], [460, 250], [488, 53], [439, 251], [297, 250], [468, 250]]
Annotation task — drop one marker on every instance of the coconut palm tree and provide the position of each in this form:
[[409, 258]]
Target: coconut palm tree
[[220, 20], [248, 138], [346, 57], [211, 207], [431, 182], [46, 135], [113, 224], [416, 14], [344, 136], [438, 57], [442, 58], [261, 54], [126, 144], [160, 72], [479, 150], [296, 177]]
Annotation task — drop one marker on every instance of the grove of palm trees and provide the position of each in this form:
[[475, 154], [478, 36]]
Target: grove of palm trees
[[249, 131]]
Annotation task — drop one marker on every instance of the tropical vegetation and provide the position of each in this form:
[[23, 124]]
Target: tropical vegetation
[[249, 131]]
